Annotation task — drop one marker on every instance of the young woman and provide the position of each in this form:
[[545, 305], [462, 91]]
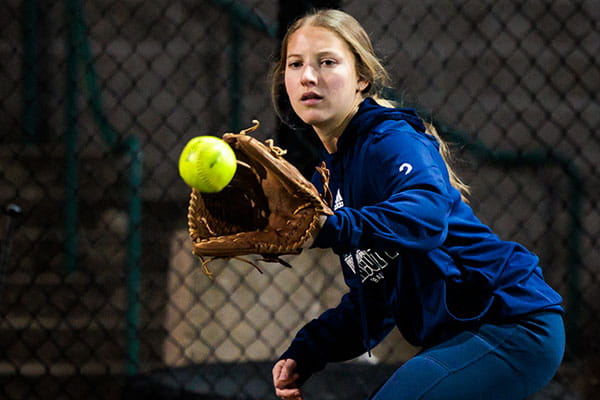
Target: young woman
[[412, 253]]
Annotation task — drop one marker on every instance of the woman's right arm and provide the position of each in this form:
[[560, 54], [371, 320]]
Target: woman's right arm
[[337, 335]]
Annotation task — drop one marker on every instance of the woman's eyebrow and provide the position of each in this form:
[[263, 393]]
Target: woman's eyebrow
[[323, 53]]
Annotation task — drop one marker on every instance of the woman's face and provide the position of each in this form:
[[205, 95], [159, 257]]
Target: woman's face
[[320, 78]]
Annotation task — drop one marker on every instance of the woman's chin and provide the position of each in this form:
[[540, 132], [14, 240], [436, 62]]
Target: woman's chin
[[312, 119]]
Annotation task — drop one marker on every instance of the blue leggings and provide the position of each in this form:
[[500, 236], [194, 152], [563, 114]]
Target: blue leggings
[[492, 362]]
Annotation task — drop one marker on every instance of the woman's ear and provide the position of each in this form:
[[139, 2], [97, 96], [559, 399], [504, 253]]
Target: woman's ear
[[362, 85]]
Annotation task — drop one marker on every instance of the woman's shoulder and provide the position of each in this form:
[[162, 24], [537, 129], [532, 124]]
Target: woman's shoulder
[[400, 135]]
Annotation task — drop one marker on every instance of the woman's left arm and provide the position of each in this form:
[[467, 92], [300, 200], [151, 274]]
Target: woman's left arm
[[414, 199]]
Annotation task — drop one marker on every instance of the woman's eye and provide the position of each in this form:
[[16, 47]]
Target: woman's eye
[[295, 64], [328, 63]]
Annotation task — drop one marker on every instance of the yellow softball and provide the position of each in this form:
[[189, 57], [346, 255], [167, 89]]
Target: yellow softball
[[207, 164]]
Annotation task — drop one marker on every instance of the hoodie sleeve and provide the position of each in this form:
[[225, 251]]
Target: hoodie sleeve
[[337, 334], [407, 202]]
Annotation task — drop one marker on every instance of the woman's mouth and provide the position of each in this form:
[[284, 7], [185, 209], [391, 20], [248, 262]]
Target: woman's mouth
[[311, 98]]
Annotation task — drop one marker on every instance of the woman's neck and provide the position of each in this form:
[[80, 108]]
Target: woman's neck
[[330, 136]]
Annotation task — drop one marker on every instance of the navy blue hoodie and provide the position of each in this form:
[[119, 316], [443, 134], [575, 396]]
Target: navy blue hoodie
[[412, 252]]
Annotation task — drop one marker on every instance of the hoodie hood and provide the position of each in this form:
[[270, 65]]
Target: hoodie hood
[[370, 114]]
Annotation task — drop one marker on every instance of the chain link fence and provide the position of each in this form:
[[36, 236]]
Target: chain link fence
[[100, 297]]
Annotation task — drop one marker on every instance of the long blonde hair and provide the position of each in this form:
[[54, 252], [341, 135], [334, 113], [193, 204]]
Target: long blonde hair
[[368, 66]]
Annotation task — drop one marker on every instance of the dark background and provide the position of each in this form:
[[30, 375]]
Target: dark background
[[100, 297]]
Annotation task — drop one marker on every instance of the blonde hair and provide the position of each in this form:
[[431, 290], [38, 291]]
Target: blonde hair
[[368, 66], [446, 154]]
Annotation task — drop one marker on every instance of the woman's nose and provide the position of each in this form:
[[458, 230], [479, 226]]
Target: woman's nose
[[309, 75]]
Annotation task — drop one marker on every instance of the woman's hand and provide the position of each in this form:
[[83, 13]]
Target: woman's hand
[[284, 380]]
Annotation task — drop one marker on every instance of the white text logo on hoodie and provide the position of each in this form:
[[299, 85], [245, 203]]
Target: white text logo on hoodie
[[370, 263]]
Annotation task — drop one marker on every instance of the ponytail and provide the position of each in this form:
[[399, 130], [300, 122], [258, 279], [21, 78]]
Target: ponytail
[[446, 154]]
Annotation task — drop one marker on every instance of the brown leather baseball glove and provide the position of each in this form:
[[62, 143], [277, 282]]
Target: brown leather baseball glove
[[268, 208]]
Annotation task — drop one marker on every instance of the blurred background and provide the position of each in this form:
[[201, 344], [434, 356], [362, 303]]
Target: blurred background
[[100, 297]]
